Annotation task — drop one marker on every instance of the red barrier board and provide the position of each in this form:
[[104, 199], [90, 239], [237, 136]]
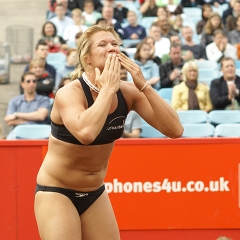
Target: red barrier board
[[159, 188]]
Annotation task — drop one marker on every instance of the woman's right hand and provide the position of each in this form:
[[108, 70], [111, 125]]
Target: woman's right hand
[[110, 76]]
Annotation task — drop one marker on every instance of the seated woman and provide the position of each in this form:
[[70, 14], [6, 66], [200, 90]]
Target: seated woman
[[206, 12], [49, 35], [149, 68], [190, 94], [71, 30], [234, 35], [45, 82]]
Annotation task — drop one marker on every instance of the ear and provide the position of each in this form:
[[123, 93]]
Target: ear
[[87, 60]]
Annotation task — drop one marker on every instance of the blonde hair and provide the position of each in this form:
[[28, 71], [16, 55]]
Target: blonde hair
[[84, 47], [186, 67], [39, 62], [76, 11]]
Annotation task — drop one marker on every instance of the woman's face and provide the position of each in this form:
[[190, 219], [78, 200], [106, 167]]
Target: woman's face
[[238, 22], [103, 44], [37, 69], [161, 12], [77, 18], [207, 12], [144, 52], [215, 22], [150, 42], [49, 30], [191, 74]]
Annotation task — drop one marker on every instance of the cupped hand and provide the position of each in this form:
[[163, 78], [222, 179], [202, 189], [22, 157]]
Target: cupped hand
[[110, 76], [133, 69]]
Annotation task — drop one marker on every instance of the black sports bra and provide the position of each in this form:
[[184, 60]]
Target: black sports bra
[[112, 129]]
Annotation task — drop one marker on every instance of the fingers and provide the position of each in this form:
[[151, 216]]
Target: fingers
[[108, 62], [112, 63]]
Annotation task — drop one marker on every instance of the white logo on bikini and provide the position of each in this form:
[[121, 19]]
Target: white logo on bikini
[[118, 126], [81, 194]]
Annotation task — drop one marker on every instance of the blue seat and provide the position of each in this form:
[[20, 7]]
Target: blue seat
[[147, 22], [71, 44], [166, 93], [227, 130], [57, 60], [224, 116], [193, 116], [237, 63], [150, 132], [207, 75], [32, 131], [207, 64], [128, 42], [198, 130]]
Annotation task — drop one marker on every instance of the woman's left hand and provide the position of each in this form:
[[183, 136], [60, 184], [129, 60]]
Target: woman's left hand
[[133, 69]]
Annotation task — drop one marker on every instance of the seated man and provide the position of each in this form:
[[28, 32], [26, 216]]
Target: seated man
[[198, 50], [41, 52], [29, 107], [51, 13], [133, 30], [170, 72], [133, 123], [220, 47], [224, 91]]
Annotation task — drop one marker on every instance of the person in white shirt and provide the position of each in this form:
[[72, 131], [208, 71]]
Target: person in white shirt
[[162, 44], [61, 21], [220, 47], [76, 27]]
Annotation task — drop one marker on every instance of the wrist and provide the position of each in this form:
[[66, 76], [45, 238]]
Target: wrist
[[15, 115], [237, 92]]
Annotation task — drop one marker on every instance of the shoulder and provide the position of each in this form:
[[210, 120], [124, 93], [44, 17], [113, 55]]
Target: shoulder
[[180, 87], [17, 98], [203, 87]]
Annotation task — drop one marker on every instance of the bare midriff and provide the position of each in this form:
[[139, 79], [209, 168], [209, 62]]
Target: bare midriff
[[72, 166]]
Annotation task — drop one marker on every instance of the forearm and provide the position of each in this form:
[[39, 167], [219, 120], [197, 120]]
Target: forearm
[[92, 119], [165, 118], [16, 122], [32, 116], [144, 7], [134, 134]]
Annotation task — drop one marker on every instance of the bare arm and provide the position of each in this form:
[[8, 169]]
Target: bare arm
[[135, 133], [86, 123], [156, 111], [145, 6]]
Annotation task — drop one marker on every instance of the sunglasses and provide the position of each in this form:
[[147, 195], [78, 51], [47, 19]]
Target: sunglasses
[[28, 81]]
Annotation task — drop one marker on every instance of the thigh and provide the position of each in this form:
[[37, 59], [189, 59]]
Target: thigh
[[99, 222], [57, 218]]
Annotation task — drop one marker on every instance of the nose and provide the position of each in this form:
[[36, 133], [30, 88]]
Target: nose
[[112, 49]]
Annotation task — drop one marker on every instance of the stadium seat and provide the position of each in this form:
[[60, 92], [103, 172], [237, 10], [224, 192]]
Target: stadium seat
[[198, 130], [207, 64], [207, 75], [193, 14], [193, 116], [224, 116], [71, 44], [237, 62], [128, 42], [166, 93], [147, 22], [150, 132], [227, 130], [32, 131], [57, 60]]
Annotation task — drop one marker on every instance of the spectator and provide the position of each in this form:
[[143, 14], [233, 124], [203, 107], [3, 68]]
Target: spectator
[[214, 22], [45, 82], [102, 22], [165, 27], [151, 42], [199, 52], [72, 4], [41, 52], [29, 107], [228, 11], [64, 81], [78, 35], [107, 13], [206, 12], [234, 35], [224, 91], [61, 21], [163, 11], [149, 69], [78, 26], [185, 54], [170, 72], [133, 123], [149, 8], [231, 19], [69, 67], [51, 13], [190, 94], [54, 42], [162, 44], [177, 24], [220, 48], [191, 3], [120, 12], [217, 3], [133, 30], [89, 14], [173, 6]]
